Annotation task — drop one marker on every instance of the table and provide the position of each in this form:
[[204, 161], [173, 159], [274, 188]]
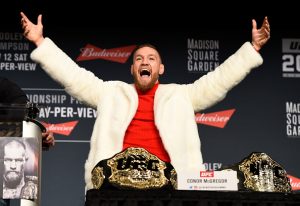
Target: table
[[189, 198]]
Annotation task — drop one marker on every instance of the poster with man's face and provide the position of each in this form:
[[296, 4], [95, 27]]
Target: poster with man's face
[[19, 164]]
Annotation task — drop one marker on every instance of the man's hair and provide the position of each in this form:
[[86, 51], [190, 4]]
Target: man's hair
[[18, 140], [147, 45], [8, 140]]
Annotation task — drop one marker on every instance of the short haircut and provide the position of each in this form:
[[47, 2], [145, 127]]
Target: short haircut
[[147, 45], [7, 141]]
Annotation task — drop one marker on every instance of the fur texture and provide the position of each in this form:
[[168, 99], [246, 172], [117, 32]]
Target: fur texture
[[174, 105]]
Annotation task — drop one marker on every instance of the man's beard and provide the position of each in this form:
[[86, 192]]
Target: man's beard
[[12, 179], [145, 87]]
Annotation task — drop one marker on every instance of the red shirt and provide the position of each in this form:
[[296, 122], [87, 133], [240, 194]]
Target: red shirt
[[142, 131]]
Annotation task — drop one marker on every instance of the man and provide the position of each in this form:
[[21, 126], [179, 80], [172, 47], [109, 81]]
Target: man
[[12, 94], [14, 186], [146, 114]]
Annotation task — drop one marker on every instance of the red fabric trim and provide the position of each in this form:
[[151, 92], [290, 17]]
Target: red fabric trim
[[142, 131]]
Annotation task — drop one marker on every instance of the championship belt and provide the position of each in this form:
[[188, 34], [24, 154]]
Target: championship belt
[[258, 172], [134, 168]]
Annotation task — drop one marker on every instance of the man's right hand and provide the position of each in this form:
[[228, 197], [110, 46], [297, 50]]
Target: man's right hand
[[32, 32], [260, 36]]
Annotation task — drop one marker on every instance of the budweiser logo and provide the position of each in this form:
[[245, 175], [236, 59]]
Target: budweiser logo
[[295, 182], [120, 55], [62, 128], [215, 119]]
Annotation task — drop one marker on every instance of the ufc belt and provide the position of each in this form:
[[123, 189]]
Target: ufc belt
[[259, 172], [134, 168]]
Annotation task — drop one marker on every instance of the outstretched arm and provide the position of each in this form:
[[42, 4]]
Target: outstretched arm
[[33, 32], [260, 36]]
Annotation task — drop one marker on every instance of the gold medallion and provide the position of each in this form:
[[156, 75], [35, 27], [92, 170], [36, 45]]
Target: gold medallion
[[137, 168]]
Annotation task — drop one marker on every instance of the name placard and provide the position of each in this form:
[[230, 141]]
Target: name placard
[[225, 180]]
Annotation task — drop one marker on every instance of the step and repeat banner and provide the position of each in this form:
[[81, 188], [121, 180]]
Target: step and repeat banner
[[261, 114]]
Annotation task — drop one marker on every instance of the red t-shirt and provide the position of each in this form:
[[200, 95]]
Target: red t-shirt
[[142, 131]]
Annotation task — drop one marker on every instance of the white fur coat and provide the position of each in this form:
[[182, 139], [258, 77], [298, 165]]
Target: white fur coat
[[174, 105]]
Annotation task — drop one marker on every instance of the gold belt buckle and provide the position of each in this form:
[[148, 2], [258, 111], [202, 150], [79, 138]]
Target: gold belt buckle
[[264, 174], [135, 168]]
